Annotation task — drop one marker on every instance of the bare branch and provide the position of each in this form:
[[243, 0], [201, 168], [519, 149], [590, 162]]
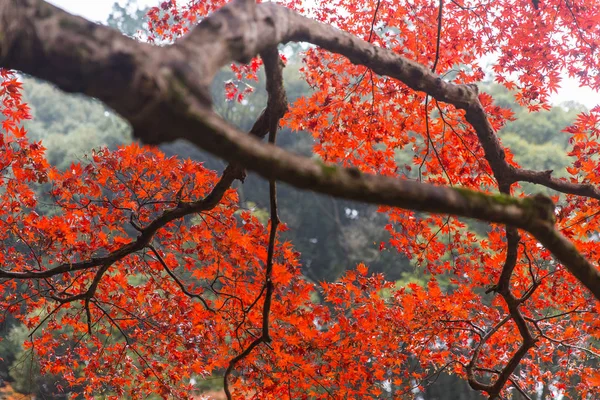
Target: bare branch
[[545, 178], [177, 281], [276, 99]]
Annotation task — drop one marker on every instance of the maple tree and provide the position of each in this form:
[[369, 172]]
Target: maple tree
[[153, 274]]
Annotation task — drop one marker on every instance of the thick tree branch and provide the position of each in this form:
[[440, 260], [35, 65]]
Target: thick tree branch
[[163, 92]]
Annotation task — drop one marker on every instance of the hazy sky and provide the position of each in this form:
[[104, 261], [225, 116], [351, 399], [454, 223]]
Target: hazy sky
[[98, 10], [95, 10]]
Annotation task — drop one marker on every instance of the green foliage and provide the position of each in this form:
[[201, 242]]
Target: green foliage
[[25, 370], [10, 346], [537, 139], [545, 156], [129, 18], [542, 127], [539, 128], [70, 125]]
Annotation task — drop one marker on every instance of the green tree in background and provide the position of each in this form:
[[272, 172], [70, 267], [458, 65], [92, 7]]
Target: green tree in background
[[537, 139], [69, 125], [129, 18]]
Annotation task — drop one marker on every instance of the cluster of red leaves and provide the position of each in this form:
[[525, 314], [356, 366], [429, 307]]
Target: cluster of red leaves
[[237, 89], [363, 120], [141, 321], [191, 300]]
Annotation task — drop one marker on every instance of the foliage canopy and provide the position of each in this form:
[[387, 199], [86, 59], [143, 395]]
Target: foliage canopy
[[153, 274]]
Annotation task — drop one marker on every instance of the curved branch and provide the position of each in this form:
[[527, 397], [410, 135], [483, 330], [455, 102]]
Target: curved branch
[[545, 178]]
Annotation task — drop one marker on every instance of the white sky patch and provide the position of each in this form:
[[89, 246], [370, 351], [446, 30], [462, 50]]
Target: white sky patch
[[569, 87], [570, 90], [96, 10]]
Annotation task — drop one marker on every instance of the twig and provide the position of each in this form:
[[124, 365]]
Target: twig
[[273, 71]]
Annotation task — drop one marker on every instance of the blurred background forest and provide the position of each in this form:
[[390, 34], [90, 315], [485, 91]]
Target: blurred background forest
[[331, 235]]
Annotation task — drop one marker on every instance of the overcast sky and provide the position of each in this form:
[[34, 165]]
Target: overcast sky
[[98, 10], [95, 10]]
